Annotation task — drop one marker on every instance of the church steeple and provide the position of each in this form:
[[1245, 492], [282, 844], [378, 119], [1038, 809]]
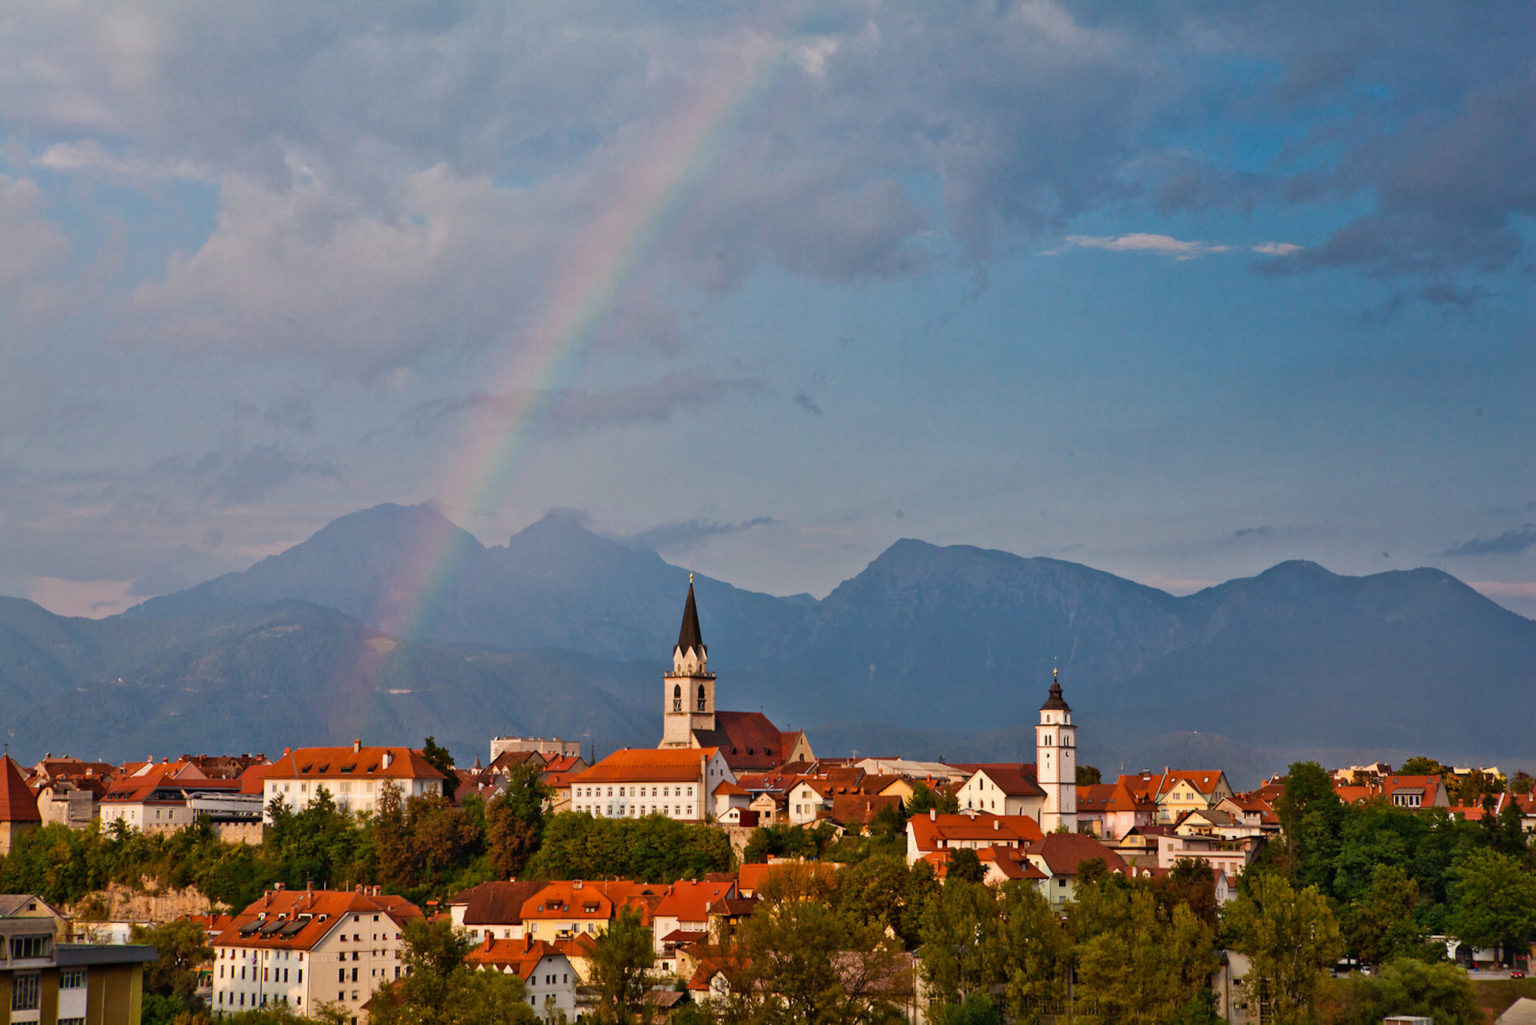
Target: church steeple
[[1056, 761], [689, 689]]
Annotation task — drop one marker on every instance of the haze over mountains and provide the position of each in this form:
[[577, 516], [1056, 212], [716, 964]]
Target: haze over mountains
[[928, 651]]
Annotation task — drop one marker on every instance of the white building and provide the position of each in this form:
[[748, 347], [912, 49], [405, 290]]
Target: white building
[[635, 782], [354, 776], [306, 949]]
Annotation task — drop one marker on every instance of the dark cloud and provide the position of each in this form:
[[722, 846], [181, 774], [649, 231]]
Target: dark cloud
[[1246, 532], [805, 402], [688, 533], [1511, 542], [574, 411], [237, 475]]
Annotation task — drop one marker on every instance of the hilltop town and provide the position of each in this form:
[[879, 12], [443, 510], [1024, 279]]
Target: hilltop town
[[701, 879]]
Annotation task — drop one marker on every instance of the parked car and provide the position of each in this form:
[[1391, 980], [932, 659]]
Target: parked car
[[1517, 973]]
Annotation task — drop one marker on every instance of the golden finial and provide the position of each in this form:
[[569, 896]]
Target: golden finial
[[690, 578]]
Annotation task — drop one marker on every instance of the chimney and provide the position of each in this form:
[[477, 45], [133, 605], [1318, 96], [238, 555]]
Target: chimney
[[996, 825], [357, 745], [933, 814], [389, 756], [277, 886]]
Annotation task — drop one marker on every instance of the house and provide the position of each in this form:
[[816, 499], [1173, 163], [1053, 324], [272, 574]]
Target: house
[[1230, 856], [173, 795], [934, 833], [1058, 857], [635, 782], [1002, 789], [855, 812], [47, 981], [355, 777], [493, 909], [747, 740], [797, 875], [1414, 792], [305, 949], [550, 980], [18, 805], [574, 907], [682, 916]]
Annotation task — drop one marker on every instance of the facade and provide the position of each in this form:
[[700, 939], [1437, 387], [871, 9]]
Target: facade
[[1056, 761], [355, 776], [47, 982], [1003, 790], [934, 834], [634, 782], [492, 910], [573, 908], [164, 798], [549, 978], [306, 949]]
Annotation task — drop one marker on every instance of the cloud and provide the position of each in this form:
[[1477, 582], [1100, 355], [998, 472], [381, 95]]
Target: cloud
[[556, 412], [1511, 542], [1167, 245], [1246, 532], [805, 402], [687, 534]]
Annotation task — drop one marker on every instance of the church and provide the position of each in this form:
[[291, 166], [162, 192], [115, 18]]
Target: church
[[748, 741]]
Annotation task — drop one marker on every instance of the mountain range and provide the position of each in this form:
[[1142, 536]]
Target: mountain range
[[929, 650]]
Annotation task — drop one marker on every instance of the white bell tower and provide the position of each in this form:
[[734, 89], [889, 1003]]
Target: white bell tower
[[689, 689], [1056, 761]]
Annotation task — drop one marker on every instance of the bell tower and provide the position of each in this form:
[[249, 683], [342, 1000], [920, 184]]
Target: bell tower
[[1056, 761], [689, 689]]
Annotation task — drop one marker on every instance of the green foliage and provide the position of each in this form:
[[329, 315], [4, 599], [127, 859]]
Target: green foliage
[[1405, 987], [1493, 901], [440, 989], [925, 799], [1381, 923], [182, 947], [423, 843], [882, 891], [1038, 951], [440, 759], [785, 841], [1290, 937], [963, 950], [976, 1009], [1421, 765], [965, 866], [654, 849], [621, 960], [1088, 776], [515, 819], [1311, 816]]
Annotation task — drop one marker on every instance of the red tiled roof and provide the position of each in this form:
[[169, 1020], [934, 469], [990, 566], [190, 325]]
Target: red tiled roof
[[576, 898], [496, 903], [298, 919], [861, 808], [17, 802], [929, 830], [354, 762], [1063, 852], [680, 764], [1013, 780], [521, 956], [747, 740], [689, 901]]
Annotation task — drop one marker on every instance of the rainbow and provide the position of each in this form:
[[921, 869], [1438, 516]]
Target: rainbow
[[606, 259]]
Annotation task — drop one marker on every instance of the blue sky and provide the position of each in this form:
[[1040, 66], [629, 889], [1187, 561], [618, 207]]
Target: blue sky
[[1175, 291]]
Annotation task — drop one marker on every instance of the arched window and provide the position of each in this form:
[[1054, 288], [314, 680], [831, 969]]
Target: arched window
[[701, 698], [677, 697]]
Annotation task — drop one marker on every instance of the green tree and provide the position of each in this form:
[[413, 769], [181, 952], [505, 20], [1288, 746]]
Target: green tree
[[1421, 765], [965, 866], [621, 962], [1310, 817], [441, 759], [1493, 902], [925, 799], [1134, 964], [963, 950], [1290, 937], [1038, 952], [1381, 923], [1406, 987], [884, 892], [976, 1009], [1088, 776], [514, 820], [440, 989], [183, 947]]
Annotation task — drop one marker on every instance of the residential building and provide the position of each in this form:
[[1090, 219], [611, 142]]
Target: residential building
[[550, 980], [173, 795], [355, 776], [1058, 857], [635, 782], [307, 949], [492, 910], [748, 740], [1004, 790], [935, 833], [575, 907], [48, 982]]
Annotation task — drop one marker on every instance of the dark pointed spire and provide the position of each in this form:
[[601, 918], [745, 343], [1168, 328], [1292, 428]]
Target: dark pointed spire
[[689, 637], [1055, 703]]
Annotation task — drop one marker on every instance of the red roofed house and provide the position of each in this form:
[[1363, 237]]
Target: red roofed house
[[308, 948], [1003, 789], [354, 776], [172, 795], [748, 740], [1414, 792], [934, 833], [1058, 855], [574, 907], [549, 978], [18, 805], [635, 782], [493, 909], [682, 916]]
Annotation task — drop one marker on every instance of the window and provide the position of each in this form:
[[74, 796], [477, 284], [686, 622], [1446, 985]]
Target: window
[[701, 697], [677, 698], [25, 990], [23, 947]]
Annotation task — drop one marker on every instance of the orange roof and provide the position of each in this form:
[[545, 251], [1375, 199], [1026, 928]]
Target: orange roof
[[934, 832], [576, 898], [521, 956], [689, 901], [354, 762], [17, 802], [1063, 852], [752, 876], [730, 789], [1011, 862], [1012, 780], [251, 779], [299, 919], [673, 764]]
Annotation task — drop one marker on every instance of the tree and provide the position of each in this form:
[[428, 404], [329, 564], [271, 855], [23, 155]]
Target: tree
[[1134, 964], [1493, 901], [925, 799], [1406, 987], [965, 865], [514, 820], [1290, 937], [621, 959], [440, 989], [1088, 776], [1038, 951], [183, 947], [442, 760], [963, 950], [1310, 816], [1420, 765], [1382, 923]]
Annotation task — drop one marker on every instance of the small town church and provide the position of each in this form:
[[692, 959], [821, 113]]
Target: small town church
[[748, 741]]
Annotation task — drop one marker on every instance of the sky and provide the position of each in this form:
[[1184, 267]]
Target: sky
[[1177, 291]]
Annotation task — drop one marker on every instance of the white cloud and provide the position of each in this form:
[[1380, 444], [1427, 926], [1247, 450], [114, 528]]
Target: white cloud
[[1167, 245]]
